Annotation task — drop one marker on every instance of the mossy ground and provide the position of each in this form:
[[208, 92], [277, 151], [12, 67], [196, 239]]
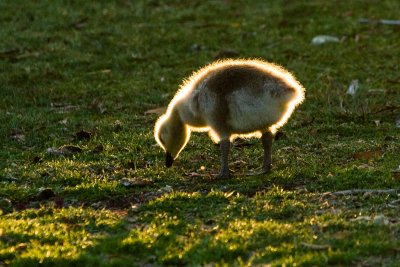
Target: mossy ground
[[97, 67]]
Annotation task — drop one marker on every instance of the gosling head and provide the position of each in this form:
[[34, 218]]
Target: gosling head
[[172, 135]]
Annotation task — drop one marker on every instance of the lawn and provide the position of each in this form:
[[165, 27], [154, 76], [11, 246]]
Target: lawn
[[82, 182]]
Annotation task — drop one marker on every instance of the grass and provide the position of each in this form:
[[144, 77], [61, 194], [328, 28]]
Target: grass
[[83, 74]]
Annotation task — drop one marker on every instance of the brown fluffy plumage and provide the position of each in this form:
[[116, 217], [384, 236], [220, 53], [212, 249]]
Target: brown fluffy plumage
[[230, 98]]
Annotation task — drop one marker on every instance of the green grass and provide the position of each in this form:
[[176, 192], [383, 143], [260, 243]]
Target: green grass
[[71, 66]]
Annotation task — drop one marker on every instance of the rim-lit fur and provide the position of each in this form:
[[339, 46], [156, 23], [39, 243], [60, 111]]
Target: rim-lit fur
[[229, 98]]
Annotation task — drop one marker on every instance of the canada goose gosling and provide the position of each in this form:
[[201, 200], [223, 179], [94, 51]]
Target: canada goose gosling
[[228, 99]]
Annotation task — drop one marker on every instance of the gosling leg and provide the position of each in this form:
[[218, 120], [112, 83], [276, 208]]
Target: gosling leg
[[266, 140], [225, 147]]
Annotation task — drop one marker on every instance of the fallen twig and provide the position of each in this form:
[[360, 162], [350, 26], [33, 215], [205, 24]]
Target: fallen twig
[[394, 204], [380, 21], [361, 191], [387, 108]]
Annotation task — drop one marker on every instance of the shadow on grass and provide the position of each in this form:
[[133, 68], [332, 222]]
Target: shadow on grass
[[244, 219], [180, 229]]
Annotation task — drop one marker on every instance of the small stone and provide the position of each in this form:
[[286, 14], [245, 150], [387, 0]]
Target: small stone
[[54, 151], [322, 39], [64, 150], [18, 137], [381, 220], [353, 87], [167, 189], [63, 122]]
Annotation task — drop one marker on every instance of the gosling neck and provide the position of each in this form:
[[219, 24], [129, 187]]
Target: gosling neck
[[175, 119]]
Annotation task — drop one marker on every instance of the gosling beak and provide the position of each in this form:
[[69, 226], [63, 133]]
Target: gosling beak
[[168, 159]]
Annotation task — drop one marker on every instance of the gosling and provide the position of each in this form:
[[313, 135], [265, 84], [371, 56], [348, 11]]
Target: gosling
[[227, 99]]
